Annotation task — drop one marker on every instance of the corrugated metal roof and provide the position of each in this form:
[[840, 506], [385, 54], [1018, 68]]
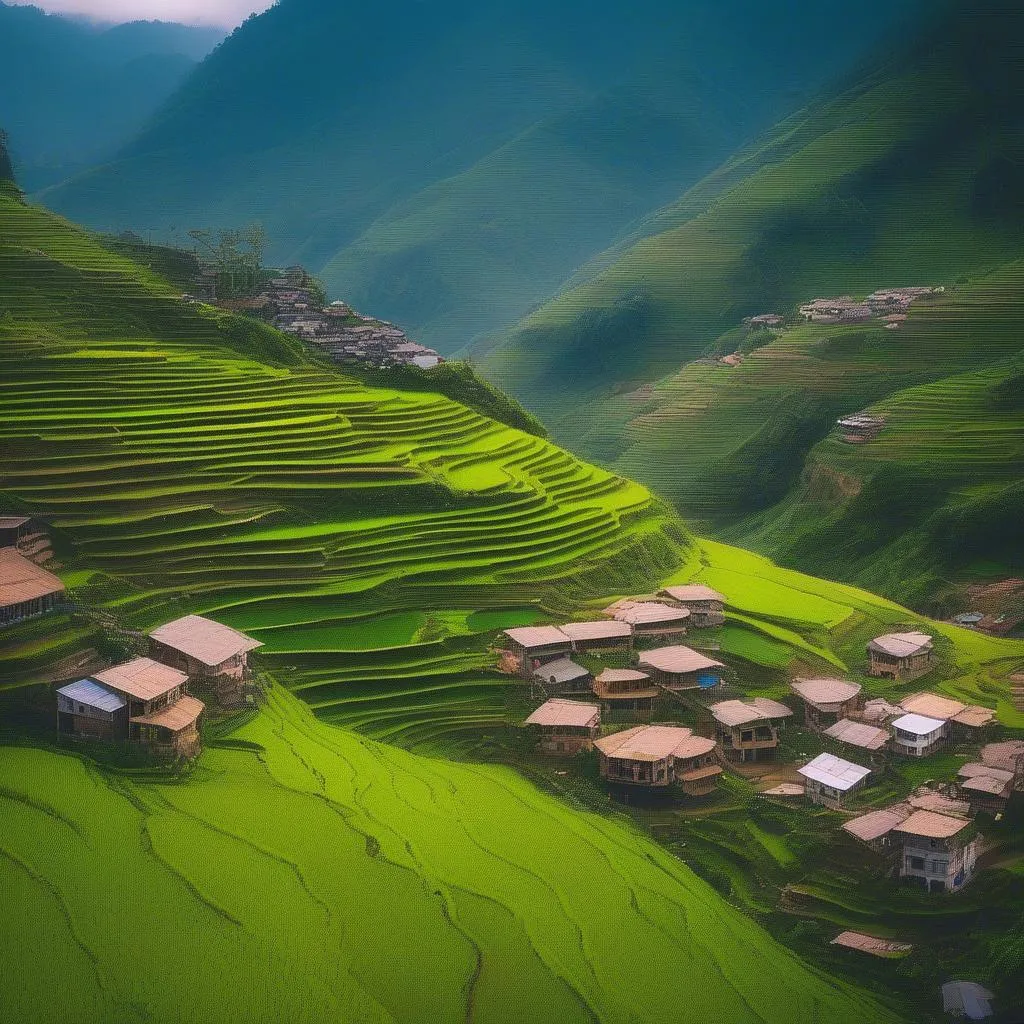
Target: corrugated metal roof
[[22, 580], [740, 712], [601, 630], [901, 645], [565, 712], [825, 691], [175, 717], [694, 592], [918, 725], [207, 641], [834, 771], [858, 734], [142, 678], [645, 742], [650, 613], [537, 636], [561, 670], [677, 660], [90, 693]]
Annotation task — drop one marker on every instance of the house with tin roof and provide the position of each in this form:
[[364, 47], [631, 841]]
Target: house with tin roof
[[747, 730], [826, 700], [831, 781], [940, 851], [26, 590], [919, 735], [566, 727], [659, 756], [626, 695], [562, 677], [651, 618], [867, 737], [705, 605], [681, 668], [901, 656], [534, 646]]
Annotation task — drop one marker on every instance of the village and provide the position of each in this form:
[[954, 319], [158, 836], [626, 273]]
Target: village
[[666, 722]]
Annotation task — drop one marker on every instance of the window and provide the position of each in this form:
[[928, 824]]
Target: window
[[915, 863]]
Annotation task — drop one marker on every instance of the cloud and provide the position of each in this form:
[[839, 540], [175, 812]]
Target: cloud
[[222, 13]]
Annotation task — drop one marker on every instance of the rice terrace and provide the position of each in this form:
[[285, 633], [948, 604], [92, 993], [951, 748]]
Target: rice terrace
[[334, 688]]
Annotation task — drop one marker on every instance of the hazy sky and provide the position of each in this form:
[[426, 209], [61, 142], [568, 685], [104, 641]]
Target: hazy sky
[[227, 13]]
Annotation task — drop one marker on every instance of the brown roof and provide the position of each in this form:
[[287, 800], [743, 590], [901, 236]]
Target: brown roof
[[1007, 755], [878, 709], [988, 784], [645, 742], [565, 712], [975, 717], [207, 641], [693, 592], [870, 944], [649, 613], [9, 522], [858, 734], [700, 773], [610, 676], [932, 705], [536, 636], [621, 675], [694, 746], [876, 824], [901, 645], [825, 691], [931, 825], [925, 799], [740, 712], [181, 714], [602, 630], [143, 678], [22, 580], [677, 660]]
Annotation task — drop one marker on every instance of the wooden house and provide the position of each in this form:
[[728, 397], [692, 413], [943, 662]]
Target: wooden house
[[826, 701], [748, 730], [626, 695], [208, 652], [681, 668], [918, 735], [939, 850], [986, 788], [25, 589], [659, 756], [562, 677], [901, 656], [534, 646], [650, 618], [966, 721], [89, 711], [601, 635], [172, 731], [706, 606], [1009, 756], [874, 829], [566, 726], [831, 781], [870, 738]]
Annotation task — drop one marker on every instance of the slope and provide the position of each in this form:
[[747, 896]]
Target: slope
[[434, 158]]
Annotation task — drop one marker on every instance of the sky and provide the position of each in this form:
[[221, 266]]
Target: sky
[[223, 13]]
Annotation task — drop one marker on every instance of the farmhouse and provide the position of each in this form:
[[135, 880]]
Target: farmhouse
[[90, 711], [859, 734], [988, 789], [681, 668], [600, 635], [826, 701], [562, 676], [874, 829], [146, 684], [649, 618], [965, 719], [831, 781], [901, 656], [566, 726], [747, 730], [533, 646], [918, 735], [939, 851], [706, 606], [656, 756], [626, 695], [207, 651], [25, 589]]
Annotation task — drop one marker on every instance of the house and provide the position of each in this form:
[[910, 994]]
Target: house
[[90, 711], [626, 694], [681, 668], [831, 781], [172, 731], [939, 850], [600, 635], [918, 735], [764, 320], [566, 726], [533, 646], [13, 529], [988, 789], [826, 701], [966, 999], [146, 685], [706, 606], [860, 427], [878, 711], [1009, 756], [658, 756], [747, 730], [964, 719], [901, 656], [25, 589], [859, 734], [208, 652], [562, 676], [649, 618], [874, 829]]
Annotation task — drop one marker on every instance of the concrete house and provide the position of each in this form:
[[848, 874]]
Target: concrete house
[[918, 735], [208, 652], [681, 668], [561, 677], [566, 726], [626, 695], [939, 850], [25, 589], [533, 646], [831, 781], [90, 711], [748, 730], [705, 605], [649, 618], [901, 656], [659, 756], [826, 701]]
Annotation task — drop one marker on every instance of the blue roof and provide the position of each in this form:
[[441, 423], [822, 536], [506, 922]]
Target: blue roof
[[85, 691]]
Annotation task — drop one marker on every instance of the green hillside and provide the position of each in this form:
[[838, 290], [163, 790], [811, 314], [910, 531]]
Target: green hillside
[[908, 177]]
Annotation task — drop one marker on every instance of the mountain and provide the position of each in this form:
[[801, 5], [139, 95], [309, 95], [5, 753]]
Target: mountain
[[450, 164], [909, 176], [375, 540], [72, 93]]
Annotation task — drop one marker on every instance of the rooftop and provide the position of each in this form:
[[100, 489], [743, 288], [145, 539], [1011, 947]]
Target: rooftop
[[825, 691], [740, 712], [648, 742], [1008, 755], [875, 824], [10, 522], [933, 705], [88, 692], [22, 580], [694, 592], [207, 641], [925, 799], [677, 660], [565, 712], [784, 789], [901, 645], [602, 630], [179, 715], [870, 943], [931, 825], [833, 771], [858, 734], [561, 670], [142, 678], [621, 675], [536, 636], [966, 999], [918, 725], [650, 613]]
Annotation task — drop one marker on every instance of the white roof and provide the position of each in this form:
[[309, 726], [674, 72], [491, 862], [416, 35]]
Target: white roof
[[565, 712], [919, 725], [739, 712], [966, 998], [561, 670], [834, 771], [90, 693], [901, 645]]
